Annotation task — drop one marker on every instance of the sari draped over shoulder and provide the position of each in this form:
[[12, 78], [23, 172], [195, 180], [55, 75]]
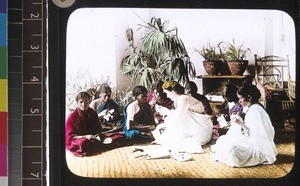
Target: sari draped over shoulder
[[110, 104], [79, 124], [186, 127], [207, 108], [132, 112], [249, 144]]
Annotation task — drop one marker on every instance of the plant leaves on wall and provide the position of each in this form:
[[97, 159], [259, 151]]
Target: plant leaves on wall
[[162, 56]]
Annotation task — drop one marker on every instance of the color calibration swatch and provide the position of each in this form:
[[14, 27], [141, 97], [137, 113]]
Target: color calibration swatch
[[3, 95]]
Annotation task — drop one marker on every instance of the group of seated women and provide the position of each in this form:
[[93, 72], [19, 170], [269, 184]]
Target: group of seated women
[[180, 119]]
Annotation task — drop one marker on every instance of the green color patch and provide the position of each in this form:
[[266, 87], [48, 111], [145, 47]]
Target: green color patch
[[3, 62]]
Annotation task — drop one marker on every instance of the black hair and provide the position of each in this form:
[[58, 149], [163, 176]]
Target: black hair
[[193, 87], [137, 90], [158, 86], [178, 89], [248, 91], [248, 79], [82, 94], [103, 88], [230, 92]]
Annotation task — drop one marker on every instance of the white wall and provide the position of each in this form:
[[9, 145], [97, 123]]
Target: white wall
[[90, 43], [96, 38]]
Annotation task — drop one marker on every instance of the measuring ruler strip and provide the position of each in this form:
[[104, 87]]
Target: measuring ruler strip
[[33, 86], [3, 95], [15, 91], [26, 89]]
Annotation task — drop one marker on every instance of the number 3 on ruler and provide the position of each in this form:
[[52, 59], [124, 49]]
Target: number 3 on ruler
[[35, 47]]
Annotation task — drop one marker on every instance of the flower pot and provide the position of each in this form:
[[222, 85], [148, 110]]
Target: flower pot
[[213, 68], [237, 67]]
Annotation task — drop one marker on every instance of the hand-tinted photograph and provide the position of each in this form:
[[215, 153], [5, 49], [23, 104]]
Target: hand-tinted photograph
[[180, 93]]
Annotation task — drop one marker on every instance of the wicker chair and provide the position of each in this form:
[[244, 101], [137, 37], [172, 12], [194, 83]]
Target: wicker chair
[[273, 72]]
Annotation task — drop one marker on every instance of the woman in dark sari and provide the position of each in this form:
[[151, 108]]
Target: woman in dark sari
[[138, 118], [107, 109]]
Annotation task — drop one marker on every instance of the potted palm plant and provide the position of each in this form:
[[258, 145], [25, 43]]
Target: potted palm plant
[[162, 56], [213, 58], [235, 56]]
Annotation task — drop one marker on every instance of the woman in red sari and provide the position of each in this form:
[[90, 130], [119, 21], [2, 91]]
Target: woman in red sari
[[83, 128]]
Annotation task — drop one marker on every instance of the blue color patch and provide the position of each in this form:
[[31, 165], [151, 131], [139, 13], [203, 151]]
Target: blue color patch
[[3, 30]]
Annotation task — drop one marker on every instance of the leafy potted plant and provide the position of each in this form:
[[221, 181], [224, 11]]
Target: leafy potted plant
[[235, 56], [162, 56], [213, 58]]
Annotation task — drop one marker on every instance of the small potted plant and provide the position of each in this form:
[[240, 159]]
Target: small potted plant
[[213, 58], [235, 56]]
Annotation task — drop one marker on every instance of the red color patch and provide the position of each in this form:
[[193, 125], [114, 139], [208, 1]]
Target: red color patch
[[3, 128]]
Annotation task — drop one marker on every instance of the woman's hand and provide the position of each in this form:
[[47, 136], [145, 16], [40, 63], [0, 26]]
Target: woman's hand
[[89, 136], [236, 119], [142, 127], [103, 113], [151, 127]]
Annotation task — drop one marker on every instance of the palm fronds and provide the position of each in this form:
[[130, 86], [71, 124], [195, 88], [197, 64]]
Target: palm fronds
[[162, 56]]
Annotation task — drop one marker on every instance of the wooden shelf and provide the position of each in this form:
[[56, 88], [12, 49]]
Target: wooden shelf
[[215, 85]]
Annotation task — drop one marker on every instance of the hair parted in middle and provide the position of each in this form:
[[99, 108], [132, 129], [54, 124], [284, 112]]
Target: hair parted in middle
[[137, 90]]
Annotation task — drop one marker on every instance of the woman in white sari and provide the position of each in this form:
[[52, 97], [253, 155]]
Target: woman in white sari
[[186, 127], [249, 142]]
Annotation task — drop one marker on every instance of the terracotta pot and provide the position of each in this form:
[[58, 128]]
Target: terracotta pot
[[213, 68], [237, 67]]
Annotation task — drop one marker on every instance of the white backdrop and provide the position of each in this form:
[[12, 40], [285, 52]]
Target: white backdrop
[[96, 39]]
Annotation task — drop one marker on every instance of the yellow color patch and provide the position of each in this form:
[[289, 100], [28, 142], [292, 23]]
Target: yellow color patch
[[3, 95]]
